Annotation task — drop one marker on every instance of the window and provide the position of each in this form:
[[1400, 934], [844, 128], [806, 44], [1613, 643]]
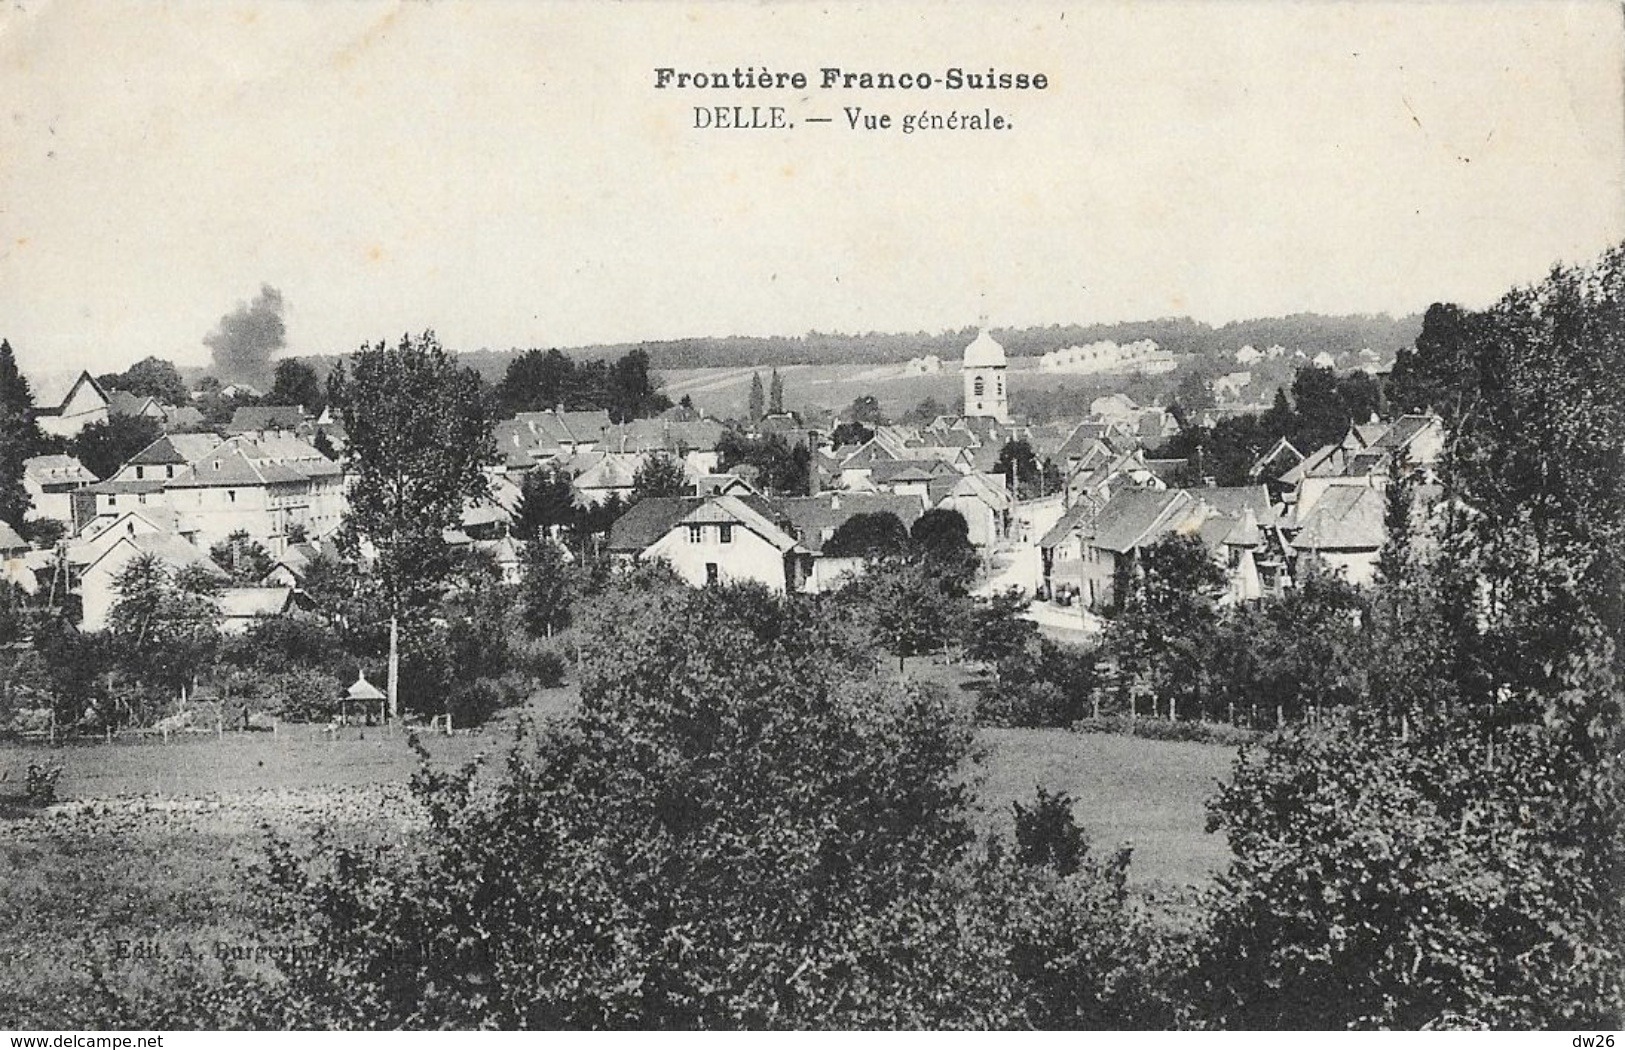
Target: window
[[140, 473], [712, 574], [725, 533], [231, 494], [978, 386], [1001, 385], [693, 534]]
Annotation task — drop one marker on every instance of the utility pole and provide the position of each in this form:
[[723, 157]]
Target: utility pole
[[394, 667]]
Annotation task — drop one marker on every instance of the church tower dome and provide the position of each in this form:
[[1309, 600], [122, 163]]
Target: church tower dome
[[983, 371]]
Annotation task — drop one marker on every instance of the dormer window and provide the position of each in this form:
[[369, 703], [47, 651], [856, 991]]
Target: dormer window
[[693, 534]]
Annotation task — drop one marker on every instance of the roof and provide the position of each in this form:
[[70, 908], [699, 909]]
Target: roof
[[1134, 517], [233, 468], [1084, 436], [984, 352], [185, 416], [1404, 431], [51, 391], [168, 548], [613, 471], [733, 510], [9, 540], [361, 689], [1078, 516], [158, 518], [482, 513], [815, 518], [113, 487], [289, 450], [1312, 463], [265, 417], [503, 549], [1165, 470], [700, 434], [1369, 433], [1368, 461], [905, 470], [55, 469], [989, 488], [1245, 533], [1233, 501], [124, 403], [720, 484], [176, 449], [244, 602], [1284, 451], [648, 520], [1345, 517]]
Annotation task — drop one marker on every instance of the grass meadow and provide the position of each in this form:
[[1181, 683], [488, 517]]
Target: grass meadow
[[151, 851]]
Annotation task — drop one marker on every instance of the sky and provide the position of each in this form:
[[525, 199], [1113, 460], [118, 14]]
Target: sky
[[509, 175]]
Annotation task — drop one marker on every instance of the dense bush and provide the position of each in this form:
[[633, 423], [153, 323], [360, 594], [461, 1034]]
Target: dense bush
[[1047, 834], [1045, 685], [740, 827], [1162, 729]]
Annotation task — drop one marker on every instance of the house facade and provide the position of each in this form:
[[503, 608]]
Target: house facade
[[64, 407], [50, 482]]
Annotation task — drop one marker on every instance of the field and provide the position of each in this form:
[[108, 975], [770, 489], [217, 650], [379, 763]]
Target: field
[[151, 852], [725, 392]]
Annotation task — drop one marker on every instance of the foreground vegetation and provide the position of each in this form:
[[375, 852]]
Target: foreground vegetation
[[157, 851], [751, 820]]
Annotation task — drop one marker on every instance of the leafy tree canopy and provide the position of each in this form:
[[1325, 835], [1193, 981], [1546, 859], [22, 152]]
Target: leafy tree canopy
[[104, 447]]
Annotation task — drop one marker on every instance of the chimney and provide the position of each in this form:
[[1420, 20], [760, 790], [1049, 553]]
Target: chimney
[[835, 502]]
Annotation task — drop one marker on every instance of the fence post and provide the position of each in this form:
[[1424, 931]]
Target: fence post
[[1277, 716], [1230, 711], [1094, 705]]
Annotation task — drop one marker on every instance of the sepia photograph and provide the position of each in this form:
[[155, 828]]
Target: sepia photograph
[[762, 516]]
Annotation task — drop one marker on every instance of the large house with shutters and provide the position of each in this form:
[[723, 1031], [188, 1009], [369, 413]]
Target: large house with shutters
[[712, 540]]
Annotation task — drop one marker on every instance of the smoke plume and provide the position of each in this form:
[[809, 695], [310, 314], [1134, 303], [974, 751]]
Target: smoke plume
[[246, 338]]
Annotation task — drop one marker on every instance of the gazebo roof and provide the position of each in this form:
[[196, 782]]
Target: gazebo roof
[[364, 690]]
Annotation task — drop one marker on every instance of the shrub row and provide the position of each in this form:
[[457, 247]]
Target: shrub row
[[1162, 729]]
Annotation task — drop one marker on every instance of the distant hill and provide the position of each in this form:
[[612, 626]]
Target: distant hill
[[1310, 333]]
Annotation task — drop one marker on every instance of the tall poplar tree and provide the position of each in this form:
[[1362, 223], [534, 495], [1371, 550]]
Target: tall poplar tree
[[757, 398], [775, 397], [19, 436], [419, 437]]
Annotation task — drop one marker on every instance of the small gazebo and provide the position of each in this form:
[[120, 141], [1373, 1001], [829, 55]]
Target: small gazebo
[[364, 693]]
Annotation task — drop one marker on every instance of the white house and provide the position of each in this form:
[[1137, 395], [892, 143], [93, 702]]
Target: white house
[[97, 584], [50, 482], [65, 405], [710, 540]]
